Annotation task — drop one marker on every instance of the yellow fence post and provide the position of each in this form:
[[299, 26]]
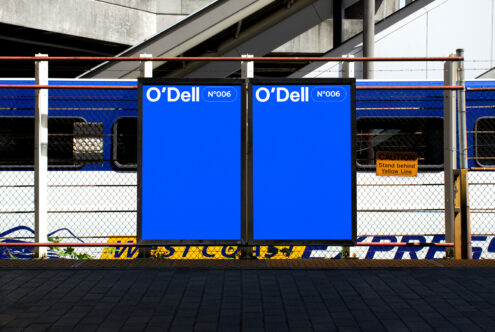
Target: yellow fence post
[[462, 218]]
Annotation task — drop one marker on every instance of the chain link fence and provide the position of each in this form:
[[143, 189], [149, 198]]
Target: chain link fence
[[480, 116], [17, 179], [92, 183], [391, 208]]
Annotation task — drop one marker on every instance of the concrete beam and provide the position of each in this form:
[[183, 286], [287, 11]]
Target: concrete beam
[[118, 21], [83, 18]]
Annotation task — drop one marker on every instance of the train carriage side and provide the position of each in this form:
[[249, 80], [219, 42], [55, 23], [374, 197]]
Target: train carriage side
[[89, 201]]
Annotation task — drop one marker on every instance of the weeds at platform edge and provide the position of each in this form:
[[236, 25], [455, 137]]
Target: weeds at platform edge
[[68, 252]]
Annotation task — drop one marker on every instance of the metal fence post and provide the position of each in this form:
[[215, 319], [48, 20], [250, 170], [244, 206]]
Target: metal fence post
[[347, 72], [449, 154], [146, 67], [247, 72], [463, 157], [145, 70], [41, 157], [461, 113], [368, 38]]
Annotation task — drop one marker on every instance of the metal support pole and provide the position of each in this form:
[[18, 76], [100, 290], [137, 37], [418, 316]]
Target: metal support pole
[[449, 154], [347, 72], [247, 67], [462, 233], [145, 70], [461, 109], [41, 157], [337, 22], [463, 150], [368, 37], [348, 67], [146, 67], [247, 72]]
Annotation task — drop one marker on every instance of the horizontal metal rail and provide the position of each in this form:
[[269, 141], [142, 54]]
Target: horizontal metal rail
[[236, 58], [485, 169], [133, 244], [404, 244], [441, 87], [80, 87], [481, 89], [133, 87]]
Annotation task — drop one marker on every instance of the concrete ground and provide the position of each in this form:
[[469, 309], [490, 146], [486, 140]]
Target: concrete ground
[[311, 295]]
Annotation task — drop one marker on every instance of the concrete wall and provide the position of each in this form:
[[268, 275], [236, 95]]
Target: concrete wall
[[119, 21], [132, 21], [319, 39], [169, 12], [437, 29]]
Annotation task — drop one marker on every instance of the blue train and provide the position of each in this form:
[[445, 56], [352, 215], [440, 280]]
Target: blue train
[[92, 199]]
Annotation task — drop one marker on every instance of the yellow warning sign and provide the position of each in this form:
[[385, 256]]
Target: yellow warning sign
[[396, 164]]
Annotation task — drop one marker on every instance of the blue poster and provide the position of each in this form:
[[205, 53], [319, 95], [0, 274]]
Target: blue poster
[[303, 162], [191, 162]]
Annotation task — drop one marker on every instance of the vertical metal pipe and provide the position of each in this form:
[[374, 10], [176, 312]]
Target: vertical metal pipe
[[146, 68], [461, 112], [337, 23], [347, 72], [463, 155], [247, 72], [41, 157], [449, 154], [368, 37], [348, 67]]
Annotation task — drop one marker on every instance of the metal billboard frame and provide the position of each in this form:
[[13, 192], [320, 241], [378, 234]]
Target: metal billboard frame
[[196, 82], [305, 81]]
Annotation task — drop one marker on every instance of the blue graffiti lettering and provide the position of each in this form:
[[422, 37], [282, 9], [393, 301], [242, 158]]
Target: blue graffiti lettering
[[491, 246], [232, 255], [477, 251], [16, 252], [186, 250], [433, 250], [119, 251], [205, 252], [372, 250], [411, 250], [170, 250], [309, 250], [272, 251]]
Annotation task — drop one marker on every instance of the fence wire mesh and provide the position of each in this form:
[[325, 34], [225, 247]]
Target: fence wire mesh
[[17, 180], [480, 122], [92, 182]]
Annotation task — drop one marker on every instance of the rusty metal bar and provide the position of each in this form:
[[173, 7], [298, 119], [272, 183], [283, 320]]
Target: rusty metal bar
[[132, 87], [82, 87], [65, 244], [486, 169], [113, 244], [440, 87], [269, 59], [404, 244], [481, 89]]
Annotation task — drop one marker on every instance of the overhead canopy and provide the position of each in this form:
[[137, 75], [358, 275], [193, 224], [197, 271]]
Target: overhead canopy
[[224, 28]]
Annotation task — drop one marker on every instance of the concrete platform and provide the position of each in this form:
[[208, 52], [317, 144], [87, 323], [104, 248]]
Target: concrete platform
[[299, 295], [238, 263]]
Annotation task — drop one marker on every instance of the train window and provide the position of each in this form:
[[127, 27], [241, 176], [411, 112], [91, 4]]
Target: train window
[[17, 141], [423, 135], [485, 141], [125, 142]]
